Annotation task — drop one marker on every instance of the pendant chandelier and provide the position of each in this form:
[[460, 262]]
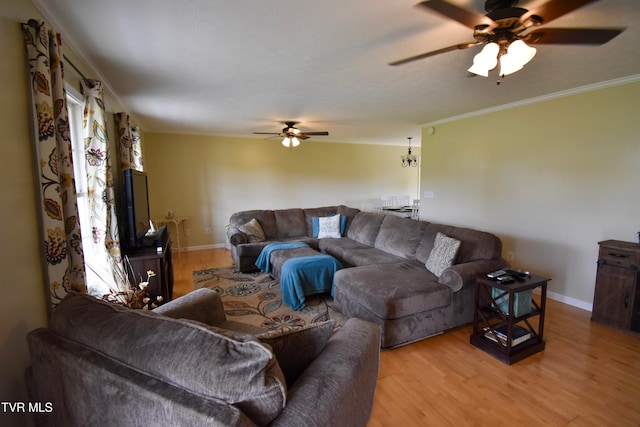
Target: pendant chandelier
[[409, 159]]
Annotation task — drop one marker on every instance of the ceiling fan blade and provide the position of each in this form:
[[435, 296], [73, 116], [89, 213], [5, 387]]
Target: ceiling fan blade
[[267, 133], [553, 9], [302, 136], [435, 52], [592, 36], [466, 17], [316, 133]]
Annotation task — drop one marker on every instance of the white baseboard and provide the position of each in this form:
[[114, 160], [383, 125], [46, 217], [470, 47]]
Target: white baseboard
[[570, 301], [202, 247]]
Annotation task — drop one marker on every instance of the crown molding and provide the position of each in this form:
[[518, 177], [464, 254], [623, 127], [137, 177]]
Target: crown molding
[[564, 93], [70, 43]]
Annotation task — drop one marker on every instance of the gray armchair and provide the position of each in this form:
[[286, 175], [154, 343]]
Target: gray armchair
[[185, 364]]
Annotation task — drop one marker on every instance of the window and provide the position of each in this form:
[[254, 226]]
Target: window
[[98, 271]]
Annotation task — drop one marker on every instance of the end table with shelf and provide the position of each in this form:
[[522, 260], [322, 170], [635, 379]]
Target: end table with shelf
[[499, 313]]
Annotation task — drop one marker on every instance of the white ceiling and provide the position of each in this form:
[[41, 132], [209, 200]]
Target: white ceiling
[[230, 67]]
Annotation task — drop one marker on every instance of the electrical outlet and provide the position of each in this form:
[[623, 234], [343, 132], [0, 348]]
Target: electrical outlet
[[510, 256], [207, 230]]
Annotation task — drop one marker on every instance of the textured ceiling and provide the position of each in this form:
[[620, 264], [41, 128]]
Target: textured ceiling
[[230, 67]]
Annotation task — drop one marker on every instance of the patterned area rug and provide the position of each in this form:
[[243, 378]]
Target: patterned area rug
[[255, 298]]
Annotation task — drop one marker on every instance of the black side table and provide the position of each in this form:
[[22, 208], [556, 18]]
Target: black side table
[[504, 317]]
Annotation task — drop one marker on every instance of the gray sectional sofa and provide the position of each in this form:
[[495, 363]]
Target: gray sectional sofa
[[185, 364], [385, 280]]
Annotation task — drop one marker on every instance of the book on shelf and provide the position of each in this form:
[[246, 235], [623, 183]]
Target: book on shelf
[[499, 334]]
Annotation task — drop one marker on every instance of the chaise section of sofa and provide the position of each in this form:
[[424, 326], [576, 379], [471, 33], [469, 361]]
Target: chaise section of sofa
[[405, 299]]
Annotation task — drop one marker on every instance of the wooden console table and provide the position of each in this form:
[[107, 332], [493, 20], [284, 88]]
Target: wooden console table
[[496, 310], [176, 221]]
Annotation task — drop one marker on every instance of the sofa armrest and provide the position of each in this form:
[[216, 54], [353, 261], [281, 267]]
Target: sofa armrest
[[236, 237], [202, 305], [459, 275], [340, 383]]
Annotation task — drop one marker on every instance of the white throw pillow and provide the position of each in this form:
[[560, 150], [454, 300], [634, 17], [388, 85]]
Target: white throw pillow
[[329, 227], [443, 254]]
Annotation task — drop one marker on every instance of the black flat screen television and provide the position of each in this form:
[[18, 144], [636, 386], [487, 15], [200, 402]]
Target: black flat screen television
[[136, 194]]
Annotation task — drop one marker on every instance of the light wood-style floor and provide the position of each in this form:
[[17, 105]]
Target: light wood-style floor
[[588, 375]]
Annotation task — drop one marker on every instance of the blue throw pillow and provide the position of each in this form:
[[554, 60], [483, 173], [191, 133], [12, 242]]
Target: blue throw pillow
[[315, 225]]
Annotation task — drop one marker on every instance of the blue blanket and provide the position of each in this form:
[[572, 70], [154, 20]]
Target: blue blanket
[[264, 259], [307, 275]]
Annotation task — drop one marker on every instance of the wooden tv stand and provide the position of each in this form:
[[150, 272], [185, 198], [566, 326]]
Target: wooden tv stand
[[155, 256]]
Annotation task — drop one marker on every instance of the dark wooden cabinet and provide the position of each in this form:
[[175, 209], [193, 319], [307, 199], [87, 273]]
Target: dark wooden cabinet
[[616, 301], [155, 256]]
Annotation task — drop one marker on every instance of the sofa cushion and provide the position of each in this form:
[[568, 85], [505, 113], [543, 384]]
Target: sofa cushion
[[400, 236], [290, 223], [349, 213], [208, 361], [443, 254], [266, 219], [253, 231], [310, 213], [315, 224], [368, 256], [329, 227], [364, 227], [392, 291], [475, 245], [339, 247], [296, 348]]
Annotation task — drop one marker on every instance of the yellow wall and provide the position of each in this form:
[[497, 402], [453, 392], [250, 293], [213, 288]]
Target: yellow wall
[[552, 179], [23, 305], [22, 297], [208, 178]]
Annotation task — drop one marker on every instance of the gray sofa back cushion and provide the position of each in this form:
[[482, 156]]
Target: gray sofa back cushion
[[319, 212], [266, 218], [365, 227], [211, 362], [290, 223], [350, 213], [475, 245], [400, 236]]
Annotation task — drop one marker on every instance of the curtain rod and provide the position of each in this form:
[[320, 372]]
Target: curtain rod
[[66, 58]]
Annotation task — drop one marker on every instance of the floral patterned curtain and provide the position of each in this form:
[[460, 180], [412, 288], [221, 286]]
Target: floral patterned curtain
[[102, 209], [130, 148], [58, 207]]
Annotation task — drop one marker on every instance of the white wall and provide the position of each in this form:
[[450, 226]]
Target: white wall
[[552, 179]]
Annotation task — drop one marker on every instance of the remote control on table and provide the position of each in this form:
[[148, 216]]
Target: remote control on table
[[496, 274]]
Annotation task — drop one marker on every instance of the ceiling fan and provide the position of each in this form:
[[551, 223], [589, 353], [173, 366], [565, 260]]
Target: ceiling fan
[[292, 135], [505, 29]]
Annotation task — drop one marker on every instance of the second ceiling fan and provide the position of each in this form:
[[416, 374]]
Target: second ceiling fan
[[505, 29], [292, 135]]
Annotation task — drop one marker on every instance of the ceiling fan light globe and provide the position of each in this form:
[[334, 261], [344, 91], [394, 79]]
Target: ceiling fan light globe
[[486, 60], [522, 52], [286, 142], [479, 70], [509, 65], [295, 141]]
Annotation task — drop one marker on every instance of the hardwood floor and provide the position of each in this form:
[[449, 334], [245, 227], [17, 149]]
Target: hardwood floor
[[588, 375]]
